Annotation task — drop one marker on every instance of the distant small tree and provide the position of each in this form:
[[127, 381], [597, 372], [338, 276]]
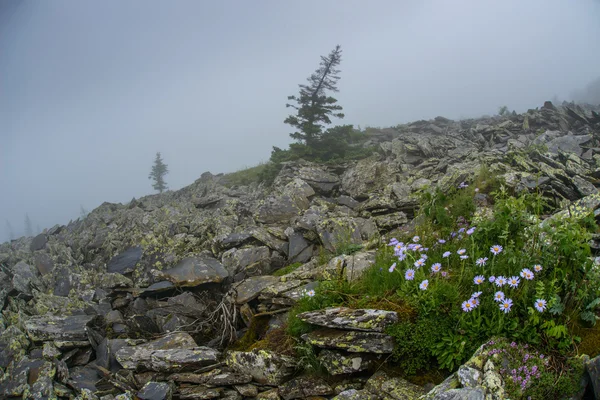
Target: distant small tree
[[9, 230], [313, 106], [82, 211], [159, 170], [38, 230], [503, 110], [28, 226]]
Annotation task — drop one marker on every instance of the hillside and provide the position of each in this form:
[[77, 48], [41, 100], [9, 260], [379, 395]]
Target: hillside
[[194, 293]]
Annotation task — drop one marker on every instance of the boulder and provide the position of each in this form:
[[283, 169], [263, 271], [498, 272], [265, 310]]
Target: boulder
[[195, 271], [24, 276], [593, 369], [352, 341], [367, 320], [338, 363], [38, 242], [63, 329], [250, 288], [393, 388], [304, 387], [264, 366], [125, 262], [252, 260], [175, 351], [156, 391]]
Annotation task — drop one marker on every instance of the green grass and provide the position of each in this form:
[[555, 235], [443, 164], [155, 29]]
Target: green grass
[[244, 177], [286, 270]]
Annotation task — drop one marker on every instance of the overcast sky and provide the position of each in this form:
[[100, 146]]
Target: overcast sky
[[91, 90]]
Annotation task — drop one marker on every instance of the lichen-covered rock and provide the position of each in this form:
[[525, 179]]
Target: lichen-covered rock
[[353, 266], [194, 271], [252, 260], [156, 391], [352, 341], [469, 377], [175, 351], [47, 327], [250, 288], [125, 262], [391, 387], [354, 394], [248, 390], [462, 394], [272, 394], [338, 363], [264, 366], [13, 345], [304, 387], [367, 320], [24, 275], [593, 369], [335, 233], [277, 209], [199, 392]]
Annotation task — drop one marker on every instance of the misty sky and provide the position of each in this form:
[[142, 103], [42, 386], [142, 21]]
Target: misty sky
[[90, 90]]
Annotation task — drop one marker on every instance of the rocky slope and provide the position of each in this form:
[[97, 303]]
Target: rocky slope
[[143, 298]]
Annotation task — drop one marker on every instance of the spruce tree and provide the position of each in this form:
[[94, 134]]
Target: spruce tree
[[159, 170], [28, 226], [314, 107], [9, 230]]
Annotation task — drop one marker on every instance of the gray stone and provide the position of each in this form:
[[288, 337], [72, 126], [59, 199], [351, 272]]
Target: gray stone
[[300, 250], [43, 262], [337, 233], [66, 329], [24, 277], [469, 377], [264, 366], [253, 260], [304, 387], [195, 271], [394, 388], [38, 242], [277, 209], [125, 262], [320, 180], [462, 394], [353, 394], [352, 341], [250, 288], [338, 363], [593, 369], [246, 390], [570, 143], [367, 320], [156, 391]]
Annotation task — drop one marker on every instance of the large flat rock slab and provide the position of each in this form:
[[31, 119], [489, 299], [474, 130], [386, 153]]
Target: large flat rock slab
[[250, 288], [176, 351], [352, 341], [65, 329], [264, 366], [195, 271], [367, 320]]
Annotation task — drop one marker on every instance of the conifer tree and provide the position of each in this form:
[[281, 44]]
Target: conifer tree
[[159, 170], [28, 226], [314, 107]]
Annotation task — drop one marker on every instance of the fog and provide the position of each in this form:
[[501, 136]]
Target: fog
[[90, 90]]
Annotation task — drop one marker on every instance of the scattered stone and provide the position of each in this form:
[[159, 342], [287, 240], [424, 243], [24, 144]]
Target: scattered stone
[[304, 387], [175, 351], [125, 262], [352, 341], [155, 391], [194, 271], [396, 388], [338, 363], [353, 319], [250, 288], [264, 366], [61, 329]]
